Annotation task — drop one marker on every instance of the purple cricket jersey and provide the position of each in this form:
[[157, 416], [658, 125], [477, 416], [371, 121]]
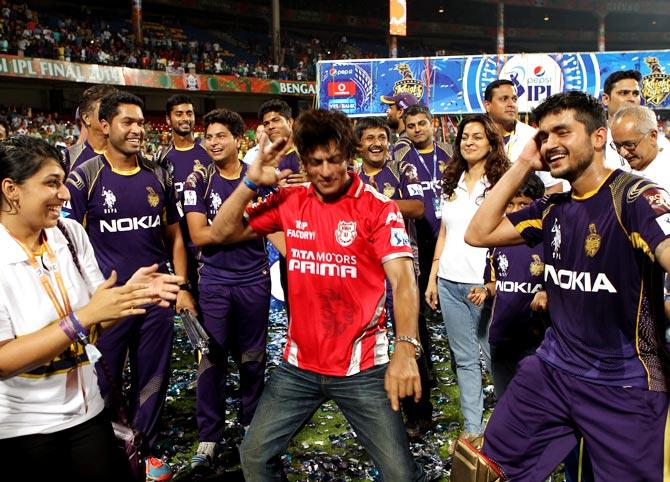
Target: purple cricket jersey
[[235, 264], [180, 163], [124, 213], [518, 273], [429, 167], [78, 154], [604, 288], [290, 161]]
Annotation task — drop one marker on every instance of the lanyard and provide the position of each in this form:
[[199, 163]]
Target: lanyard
[[62, 310], [433, 174]]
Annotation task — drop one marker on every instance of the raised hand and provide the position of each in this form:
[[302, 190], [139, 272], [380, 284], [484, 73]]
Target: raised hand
[[160, 285], [263, 171]]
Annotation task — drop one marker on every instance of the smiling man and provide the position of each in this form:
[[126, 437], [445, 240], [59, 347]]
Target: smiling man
[[127, 205], [603, 370], [342, 240]]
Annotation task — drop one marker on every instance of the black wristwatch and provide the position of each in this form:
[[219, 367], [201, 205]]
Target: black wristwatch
[[186, 286]]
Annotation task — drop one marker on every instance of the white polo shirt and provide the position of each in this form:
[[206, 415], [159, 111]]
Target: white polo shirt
[[658, 170], [460, 262], [64, 393]]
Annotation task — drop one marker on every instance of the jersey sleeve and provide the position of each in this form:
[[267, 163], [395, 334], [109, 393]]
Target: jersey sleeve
[[263, 216], [410, 184], [77, 206], [647, 216], [172, 208], [193, 196], [528, 221], [388, 236]]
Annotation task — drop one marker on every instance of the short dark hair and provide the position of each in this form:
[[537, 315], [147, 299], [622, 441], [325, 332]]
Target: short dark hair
[[488, 92], [587, 109], [176, 100], [318, 127], [109, 104], [416, 109], [275, 105], [92, 95], [615, 77], [232, 120], [22, 156], [532, 188], [371, 123]]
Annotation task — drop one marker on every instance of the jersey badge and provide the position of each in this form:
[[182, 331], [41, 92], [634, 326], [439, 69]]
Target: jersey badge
[[536, 266], [109, 200], [152, 197], [399, 237], [215, 201], [345, 232], [442, 166], [389, 190], [198, 167], [592, 242]]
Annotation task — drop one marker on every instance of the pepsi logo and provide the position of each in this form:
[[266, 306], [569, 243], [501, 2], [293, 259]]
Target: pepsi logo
[[538, 71]]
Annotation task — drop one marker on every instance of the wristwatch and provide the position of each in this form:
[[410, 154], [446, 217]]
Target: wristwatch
[[413, 341], [186, 286]]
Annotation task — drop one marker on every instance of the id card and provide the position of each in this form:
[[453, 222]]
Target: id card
[[437, 206]]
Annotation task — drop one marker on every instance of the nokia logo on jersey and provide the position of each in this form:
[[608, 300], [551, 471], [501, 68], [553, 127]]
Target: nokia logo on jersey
[[578, 281], [179, 187], [129, 224], [517, 287]]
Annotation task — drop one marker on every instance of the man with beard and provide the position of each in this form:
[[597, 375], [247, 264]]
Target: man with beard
[[96, 141], [234, 287], [394, 115], [602, 371], [127, 205], [180, 158]]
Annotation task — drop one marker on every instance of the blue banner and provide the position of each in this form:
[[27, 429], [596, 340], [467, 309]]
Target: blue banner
[[452, 85]]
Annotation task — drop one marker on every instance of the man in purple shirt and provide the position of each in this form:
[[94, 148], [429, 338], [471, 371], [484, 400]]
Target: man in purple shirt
[[234, 288], [399, 181], [95, 141], [127, 205], [180, 158], [602, 371]]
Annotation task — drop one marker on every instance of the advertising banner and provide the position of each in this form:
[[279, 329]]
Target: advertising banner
[[451, 85], [34, 68]]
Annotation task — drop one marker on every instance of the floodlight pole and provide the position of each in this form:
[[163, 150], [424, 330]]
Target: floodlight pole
[[276, 33], [137, 22]]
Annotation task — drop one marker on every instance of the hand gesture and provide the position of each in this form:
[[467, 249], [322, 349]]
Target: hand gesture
[[111, 302], [161, 285], [539, 302], [263, 171], [431, 294], [402, 375], [477, 295], [531, 154]]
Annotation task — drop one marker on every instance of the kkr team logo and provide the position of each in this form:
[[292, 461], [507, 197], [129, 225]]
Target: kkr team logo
[[656, 85], [345, 232], [152, 197], [592, 242], [536, 266], [109, 200], [408, 83], [389, 190], [198, 167]]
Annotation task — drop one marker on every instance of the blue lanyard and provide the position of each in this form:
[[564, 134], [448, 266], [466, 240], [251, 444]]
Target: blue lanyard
[[433, 175]]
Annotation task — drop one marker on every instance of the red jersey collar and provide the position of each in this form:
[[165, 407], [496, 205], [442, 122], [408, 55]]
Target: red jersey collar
[[355, 190]]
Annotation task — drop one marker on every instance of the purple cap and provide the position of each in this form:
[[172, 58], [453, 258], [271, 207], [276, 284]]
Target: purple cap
[[403, 100]]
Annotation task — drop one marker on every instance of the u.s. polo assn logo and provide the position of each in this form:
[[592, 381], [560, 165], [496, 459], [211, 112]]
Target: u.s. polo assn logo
[[345, 232]]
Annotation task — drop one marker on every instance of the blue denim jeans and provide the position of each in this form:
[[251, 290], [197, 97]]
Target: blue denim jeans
[[291, 397], [467, 330]]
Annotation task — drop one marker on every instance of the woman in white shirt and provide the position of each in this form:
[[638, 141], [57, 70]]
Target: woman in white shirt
[[479, 161], [53, 301]]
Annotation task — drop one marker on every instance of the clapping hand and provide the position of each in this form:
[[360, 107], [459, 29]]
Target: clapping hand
[[161, 286]]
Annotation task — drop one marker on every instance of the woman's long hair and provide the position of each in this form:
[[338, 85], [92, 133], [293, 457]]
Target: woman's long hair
[[496, 160]]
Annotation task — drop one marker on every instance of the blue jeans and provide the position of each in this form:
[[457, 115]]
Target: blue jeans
[[467, 330], [291, 397]]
